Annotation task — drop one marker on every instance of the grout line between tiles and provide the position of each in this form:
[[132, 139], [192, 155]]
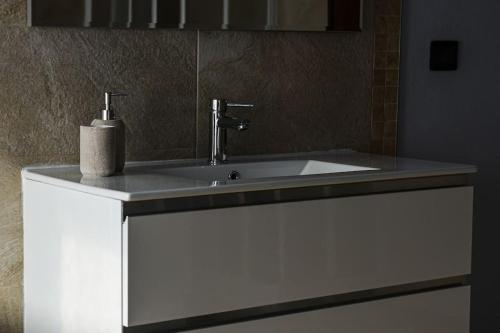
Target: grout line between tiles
[[197, 92]]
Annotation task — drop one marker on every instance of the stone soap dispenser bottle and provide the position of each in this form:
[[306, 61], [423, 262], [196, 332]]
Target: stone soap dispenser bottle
[[109, 119]]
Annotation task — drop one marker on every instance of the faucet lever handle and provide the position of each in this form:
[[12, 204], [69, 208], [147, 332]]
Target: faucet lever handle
[[240, 105], [221, 105]]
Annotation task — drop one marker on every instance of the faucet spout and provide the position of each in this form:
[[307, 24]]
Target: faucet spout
[[233, 123]]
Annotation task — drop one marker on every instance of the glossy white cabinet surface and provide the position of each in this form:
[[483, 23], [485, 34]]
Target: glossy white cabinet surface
[[72, 261], [188, 264], [443, 311]]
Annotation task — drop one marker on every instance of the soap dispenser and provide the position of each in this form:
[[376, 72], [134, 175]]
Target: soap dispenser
[[108, 118]]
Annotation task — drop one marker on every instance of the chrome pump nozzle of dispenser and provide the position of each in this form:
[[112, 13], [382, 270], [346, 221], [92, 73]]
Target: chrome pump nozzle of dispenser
[[108, 113], [108, 118]]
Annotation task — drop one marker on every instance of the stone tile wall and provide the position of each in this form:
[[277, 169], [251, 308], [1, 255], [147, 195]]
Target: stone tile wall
[[313, 92], [386, 76]]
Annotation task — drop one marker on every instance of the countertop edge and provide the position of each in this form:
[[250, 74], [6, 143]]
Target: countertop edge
[[106, 193], [270, 184]]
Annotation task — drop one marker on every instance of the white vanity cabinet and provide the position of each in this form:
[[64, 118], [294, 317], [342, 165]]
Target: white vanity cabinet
[[392, 262], [195, 263]]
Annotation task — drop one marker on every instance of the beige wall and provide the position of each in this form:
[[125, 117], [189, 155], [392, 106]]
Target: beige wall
[[313, 90]]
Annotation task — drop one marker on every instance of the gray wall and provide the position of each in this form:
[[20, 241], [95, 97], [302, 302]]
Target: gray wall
[[313, 91], [455, 116]]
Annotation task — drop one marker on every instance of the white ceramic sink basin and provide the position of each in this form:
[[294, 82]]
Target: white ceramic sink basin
[[255, 170]]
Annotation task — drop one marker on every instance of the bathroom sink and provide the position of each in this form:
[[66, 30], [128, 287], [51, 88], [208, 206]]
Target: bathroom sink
[[256, 170]]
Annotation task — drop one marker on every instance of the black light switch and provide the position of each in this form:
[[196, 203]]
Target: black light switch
[[444, 55]]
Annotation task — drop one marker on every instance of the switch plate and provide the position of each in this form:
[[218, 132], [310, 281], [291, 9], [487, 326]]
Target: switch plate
[[444, 55]]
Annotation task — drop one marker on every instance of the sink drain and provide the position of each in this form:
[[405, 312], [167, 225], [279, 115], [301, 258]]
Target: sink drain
[[234, 175]]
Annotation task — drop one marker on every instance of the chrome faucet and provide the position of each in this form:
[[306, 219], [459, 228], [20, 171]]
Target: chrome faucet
[[219, 124]]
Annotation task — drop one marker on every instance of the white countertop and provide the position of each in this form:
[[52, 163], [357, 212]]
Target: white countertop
[[146, 181]]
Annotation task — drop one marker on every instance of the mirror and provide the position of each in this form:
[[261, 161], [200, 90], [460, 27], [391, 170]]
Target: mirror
[[272, 15]]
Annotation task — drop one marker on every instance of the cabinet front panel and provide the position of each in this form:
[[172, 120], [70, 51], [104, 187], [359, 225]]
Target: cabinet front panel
[[196, 263], [437, 312]]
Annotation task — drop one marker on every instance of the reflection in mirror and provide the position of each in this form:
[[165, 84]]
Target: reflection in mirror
[[286, 15]]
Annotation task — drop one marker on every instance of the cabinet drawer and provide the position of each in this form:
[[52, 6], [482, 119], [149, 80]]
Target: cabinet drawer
[[189, 264], [444, 311]]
